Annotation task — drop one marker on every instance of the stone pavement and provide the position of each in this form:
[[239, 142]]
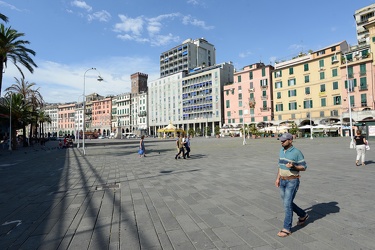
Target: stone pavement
[[223, 197]]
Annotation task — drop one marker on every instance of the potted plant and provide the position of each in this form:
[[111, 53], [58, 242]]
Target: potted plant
[[217, 131], [293, 130], [191, 132], [254, 131]]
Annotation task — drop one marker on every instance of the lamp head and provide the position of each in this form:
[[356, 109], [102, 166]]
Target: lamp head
[[100, 79]]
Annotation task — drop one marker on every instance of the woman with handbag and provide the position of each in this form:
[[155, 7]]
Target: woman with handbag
[[360, 146]]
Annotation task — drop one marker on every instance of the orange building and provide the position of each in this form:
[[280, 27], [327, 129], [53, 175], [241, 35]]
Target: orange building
[[66, 120], [102, 116]]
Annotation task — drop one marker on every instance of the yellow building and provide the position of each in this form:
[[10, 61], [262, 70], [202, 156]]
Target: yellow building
[[309, 84]]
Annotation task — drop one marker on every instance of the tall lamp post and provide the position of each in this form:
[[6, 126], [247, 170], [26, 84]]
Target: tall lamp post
[[84, 106], [311, 127], [351, 145], [10, 123]]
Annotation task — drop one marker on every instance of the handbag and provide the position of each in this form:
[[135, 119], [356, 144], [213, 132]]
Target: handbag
[[367, 146], [140, 152]]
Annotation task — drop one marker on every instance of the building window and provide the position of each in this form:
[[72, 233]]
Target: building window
[[293, 106], [335, 85], [228, 113], [227, 104], [334, 72], [337, 100], [363, 83], [323, 102], [240, 87], [321, 63], [263, 82], [306, 67], [278, 73], [321, 114], [239, 103], [239, 78], [321, 75], [292, 92], [279, 107], [263, 72], [363, 100], [307, 104], [251, 75], [307, 79], [278, 85], [278, 95], [292, 82], [240, 96], [352, 101], [322, 88], [352, 84], [290, 71], [307, 91], [362, 69]]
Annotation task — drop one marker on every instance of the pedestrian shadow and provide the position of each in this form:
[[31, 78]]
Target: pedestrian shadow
[[369, 162], [321, 210]]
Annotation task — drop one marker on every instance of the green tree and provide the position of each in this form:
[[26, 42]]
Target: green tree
[[20, 112], [32, 96], [13, 48], [43, 118], [4, 18]]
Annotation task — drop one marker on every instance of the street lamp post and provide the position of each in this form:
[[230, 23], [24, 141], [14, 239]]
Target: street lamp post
[[84, 106], [351, 145], [311, 127], [10, 123]]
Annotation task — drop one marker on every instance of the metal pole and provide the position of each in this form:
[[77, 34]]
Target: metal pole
[[84, 107], [311, 127], [351, 145], [10, 123]]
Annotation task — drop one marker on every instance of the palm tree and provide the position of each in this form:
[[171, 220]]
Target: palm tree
[[32, 96], [43, 118], [20, 110], [4, 18], [13, 48]]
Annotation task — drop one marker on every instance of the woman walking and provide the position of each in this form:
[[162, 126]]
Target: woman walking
[[360, 145], [142, 147]]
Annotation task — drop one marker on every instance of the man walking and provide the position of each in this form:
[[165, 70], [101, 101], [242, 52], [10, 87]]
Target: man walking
[[291, 162], [180, 145], [187, 146]]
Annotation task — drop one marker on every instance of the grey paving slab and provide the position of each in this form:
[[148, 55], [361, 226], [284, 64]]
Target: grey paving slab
[[223, 197]]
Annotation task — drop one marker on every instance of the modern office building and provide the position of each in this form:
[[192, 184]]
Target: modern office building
[[187, 56], [249, 99], [361, 17], [202, 97]]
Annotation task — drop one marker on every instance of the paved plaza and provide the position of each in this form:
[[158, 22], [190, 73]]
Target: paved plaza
[[223, 197]]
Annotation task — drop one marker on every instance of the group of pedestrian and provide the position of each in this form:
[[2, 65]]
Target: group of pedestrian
[[183, 142]]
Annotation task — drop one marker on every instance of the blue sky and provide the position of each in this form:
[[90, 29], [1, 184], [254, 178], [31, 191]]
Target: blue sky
[[121, 37]]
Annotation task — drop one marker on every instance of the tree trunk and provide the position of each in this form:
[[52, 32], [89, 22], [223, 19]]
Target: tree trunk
[[24, 142]]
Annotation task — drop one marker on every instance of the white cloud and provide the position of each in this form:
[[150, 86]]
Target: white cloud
[[10, 6], [245, 54], [143, 29], [132, 25], [195, 22], [296, 47], [82, 5], [64, 83], [102, 16]]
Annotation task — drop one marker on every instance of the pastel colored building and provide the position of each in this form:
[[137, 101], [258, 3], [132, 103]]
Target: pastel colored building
[[66, 114], [249, 99], [102, 116]]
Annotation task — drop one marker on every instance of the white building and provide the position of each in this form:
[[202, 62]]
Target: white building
[[139, 123], [121, 114], [187, 56], [51, 128], [361, 17], [189, 100]]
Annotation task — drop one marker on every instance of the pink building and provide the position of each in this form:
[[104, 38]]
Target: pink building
[[248, 99], [66, 115], [102, 116]]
